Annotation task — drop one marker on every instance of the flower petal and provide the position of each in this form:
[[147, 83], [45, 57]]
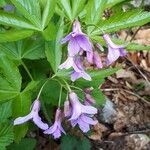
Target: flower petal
[[57, 134], [52, 129], [97, 60], [110, 43], [88, 110], [85, 76], [67, 109], [123, 52], [75, 76], [113, 55], [39, 123], [88, 120], [84, 42], [83, 126], [24, 119], [73, 47], [67, 64], [67, 38], [89, 56]]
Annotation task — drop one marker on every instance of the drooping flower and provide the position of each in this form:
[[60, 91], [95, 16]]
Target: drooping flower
[[33, 115], [89, 100], [97, 60], [56, 128], [81, 73], [78, 108], [80, 114], [114, 51], [84, 122], [78, 41]]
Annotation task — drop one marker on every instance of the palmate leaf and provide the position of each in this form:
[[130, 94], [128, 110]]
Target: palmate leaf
[[111, 3], [122, 21], [5, 111], [94, 10], [48, 12], [14, 35], [53, 48], [28, 48], [30, 9], [10, 79], [15, 21], [6, 135]]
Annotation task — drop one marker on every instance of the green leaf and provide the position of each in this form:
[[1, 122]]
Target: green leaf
[[95, 10], [53, 48], [111, 3], [77, 7], [14, 35], [84, 144], [28, 48], [15, 21], [25, 144], [6, 135], [10, 79], [30, 9], [66, 7], [20, 107], [122, 21], [5, 111], [98, 96], [48, 12]]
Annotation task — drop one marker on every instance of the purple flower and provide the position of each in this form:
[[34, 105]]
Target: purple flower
[[81, 73], [56, 128], [88, 99], [84, 122], [33, 115], [114, 51], [97, 60], [80, 114], [9, 8], [78, 109], [78, 41]]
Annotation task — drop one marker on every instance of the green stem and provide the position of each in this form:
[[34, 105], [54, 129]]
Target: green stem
[[27, 70], [76, 88], [67, 85], [59, 102]]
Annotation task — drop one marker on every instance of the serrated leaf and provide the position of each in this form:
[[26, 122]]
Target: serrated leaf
[[30, 9], [21, 106], [66, 7], [122, 21], [14, 35], [53, 48], [15, 21], [95, 10], [10, 79], [77, 7], [5, 111], [48, 12], [6, 135], [28, 48]]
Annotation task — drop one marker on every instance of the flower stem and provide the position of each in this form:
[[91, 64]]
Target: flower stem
[[76, 88], [67, 85], [27, 70], [59, 102], [43, 86]]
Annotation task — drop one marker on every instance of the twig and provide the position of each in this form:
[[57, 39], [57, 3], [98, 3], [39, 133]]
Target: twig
[[129, 92], [135, 34]]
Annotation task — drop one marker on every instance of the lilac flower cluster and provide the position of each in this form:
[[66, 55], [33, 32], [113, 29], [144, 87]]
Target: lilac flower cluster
[[78, 43], [76, 112]]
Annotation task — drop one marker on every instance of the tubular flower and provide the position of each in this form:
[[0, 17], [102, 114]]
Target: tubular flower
[[33, 115], [80, 114], [78, 41], [56, 128], [97, 60], [114, 51], [81, 73], [88, 99]]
